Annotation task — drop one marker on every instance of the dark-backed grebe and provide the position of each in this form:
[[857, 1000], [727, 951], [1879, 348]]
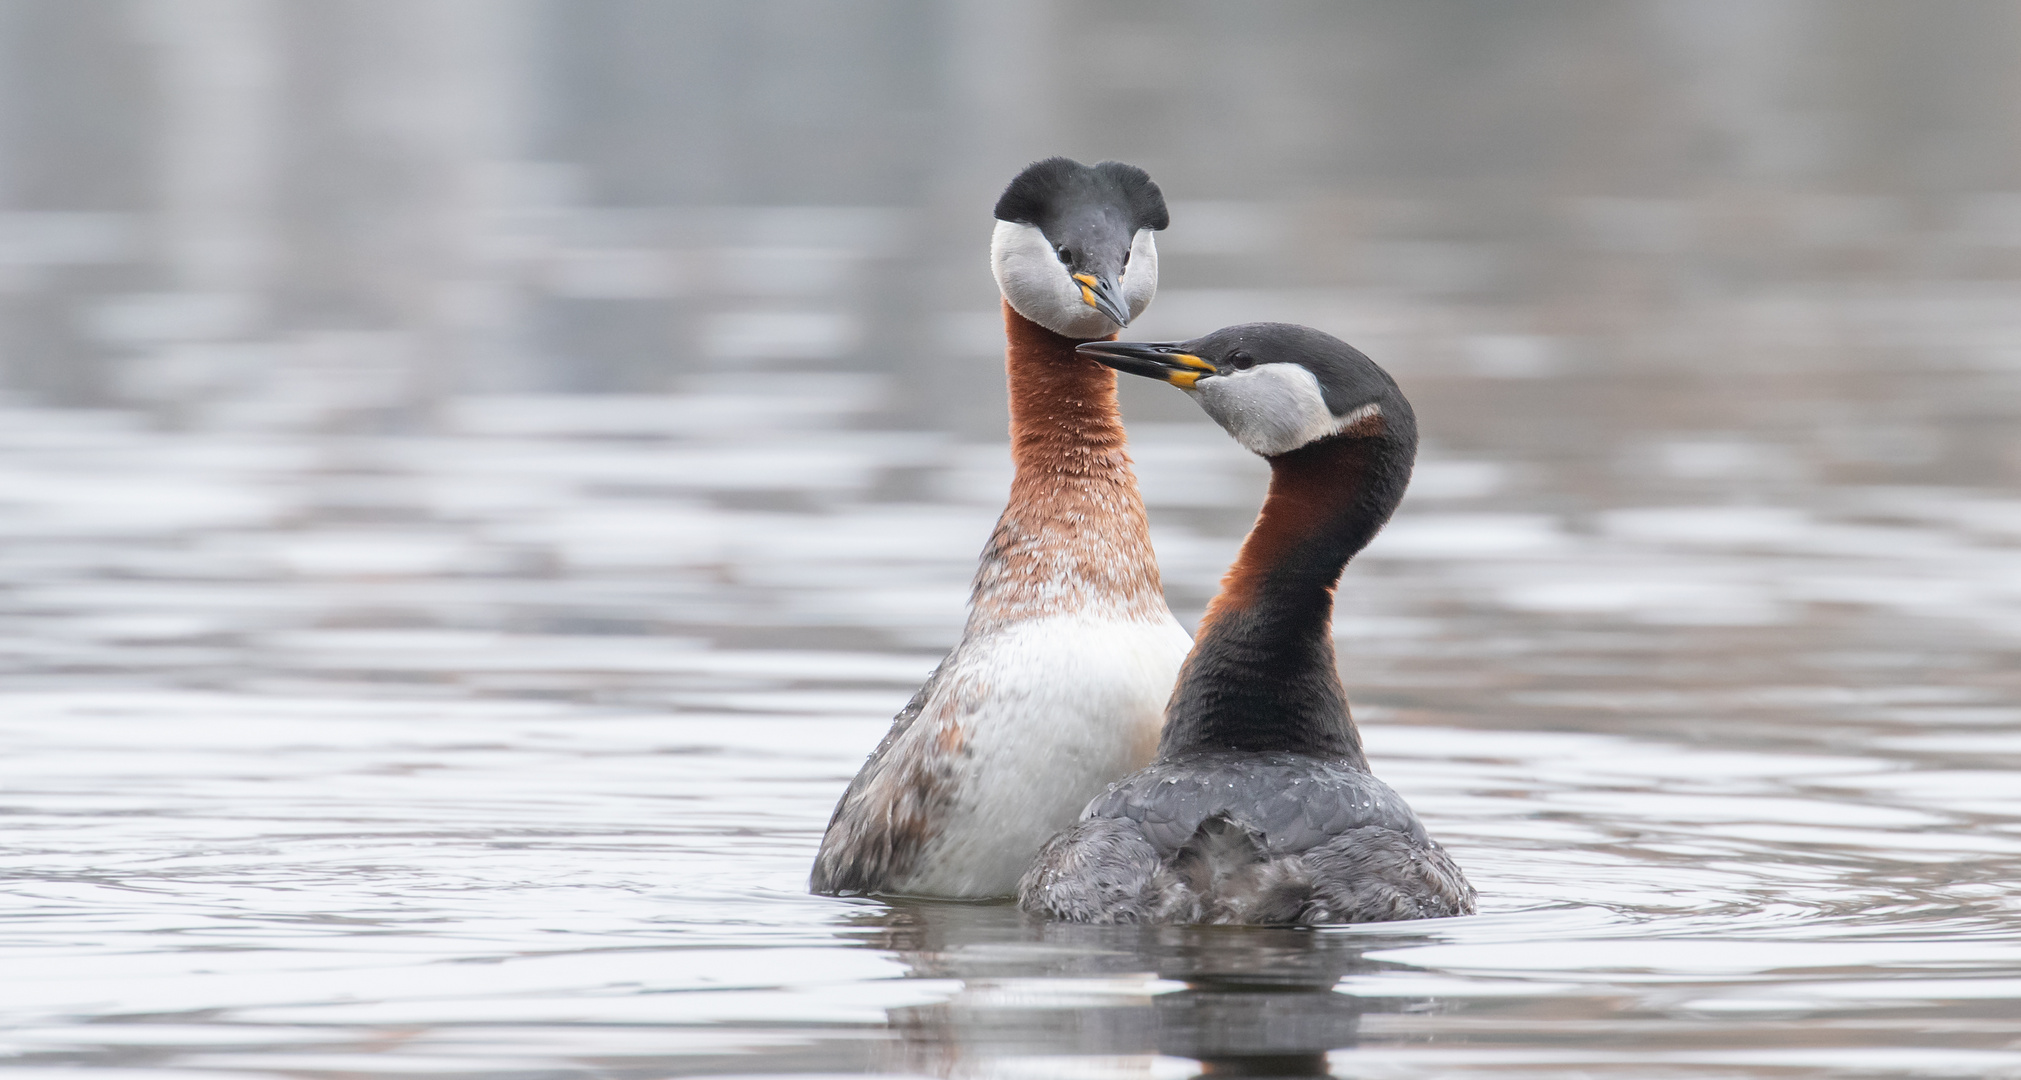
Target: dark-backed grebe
[[1059, 684], [1260, 807]]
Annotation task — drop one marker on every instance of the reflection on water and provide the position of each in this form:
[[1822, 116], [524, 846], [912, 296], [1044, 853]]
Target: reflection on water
[[1237, 1001]]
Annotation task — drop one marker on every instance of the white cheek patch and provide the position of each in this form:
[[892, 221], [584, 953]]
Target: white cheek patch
[[1042, 289], [1273, 409], [1139, 279], [1039, 286]]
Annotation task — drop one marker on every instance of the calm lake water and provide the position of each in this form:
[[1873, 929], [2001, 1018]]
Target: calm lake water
[[366, 714], [503, 750]]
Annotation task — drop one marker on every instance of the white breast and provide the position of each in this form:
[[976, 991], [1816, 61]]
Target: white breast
[[1049, 712]]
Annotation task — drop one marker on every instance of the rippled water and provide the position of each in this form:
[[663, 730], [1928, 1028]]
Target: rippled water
[[504, 750]]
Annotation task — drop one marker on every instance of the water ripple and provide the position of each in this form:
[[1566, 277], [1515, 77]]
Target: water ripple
[[506, 749]]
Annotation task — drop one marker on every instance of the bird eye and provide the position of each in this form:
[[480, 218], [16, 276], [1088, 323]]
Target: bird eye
[[1241, 361], [1066, 254]]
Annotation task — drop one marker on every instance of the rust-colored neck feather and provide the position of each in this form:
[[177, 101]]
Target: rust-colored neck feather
[[1074, 536], [1261, 675], [1307, 493]]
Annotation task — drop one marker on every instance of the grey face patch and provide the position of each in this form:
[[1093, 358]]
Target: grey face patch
[[1273, 409]]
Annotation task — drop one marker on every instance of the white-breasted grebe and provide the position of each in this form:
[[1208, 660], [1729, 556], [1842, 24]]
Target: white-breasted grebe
[[1059, 684], [1260, 807]]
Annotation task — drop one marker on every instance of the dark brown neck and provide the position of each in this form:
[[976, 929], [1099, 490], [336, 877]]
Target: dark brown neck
[[1074, 535], [1261, 675]]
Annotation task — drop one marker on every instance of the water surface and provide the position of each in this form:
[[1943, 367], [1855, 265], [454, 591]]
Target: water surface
[[503, 749]]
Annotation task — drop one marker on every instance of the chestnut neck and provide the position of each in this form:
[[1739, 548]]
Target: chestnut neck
[[1261, 675], [1074, 536]]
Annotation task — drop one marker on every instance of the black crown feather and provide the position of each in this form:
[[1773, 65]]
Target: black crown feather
[[1036, 192]]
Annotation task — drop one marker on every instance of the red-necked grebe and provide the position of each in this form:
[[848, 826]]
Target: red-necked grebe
[[1260, 807], [1059, 684]]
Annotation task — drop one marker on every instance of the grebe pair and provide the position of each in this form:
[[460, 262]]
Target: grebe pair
[[1259, 806]]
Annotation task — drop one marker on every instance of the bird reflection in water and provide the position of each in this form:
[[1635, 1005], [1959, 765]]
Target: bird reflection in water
[[1241, 1001]]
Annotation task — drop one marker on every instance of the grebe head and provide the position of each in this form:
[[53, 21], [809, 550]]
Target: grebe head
[[1073, 251], [1274, 386]]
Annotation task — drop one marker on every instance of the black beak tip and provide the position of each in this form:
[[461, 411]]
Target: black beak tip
[[1130, 357]]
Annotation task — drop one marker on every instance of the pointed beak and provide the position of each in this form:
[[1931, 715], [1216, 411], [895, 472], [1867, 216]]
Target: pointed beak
[[1104, 295], [1154, 360]]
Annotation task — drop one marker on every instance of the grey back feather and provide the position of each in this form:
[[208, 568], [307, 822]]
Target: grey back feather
[[1248, 838], [1295, 801]]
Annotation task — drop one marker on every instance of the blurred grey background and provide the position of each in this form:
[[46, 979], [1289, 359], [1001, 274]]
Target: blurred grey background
[[341, 212], [336, 332]]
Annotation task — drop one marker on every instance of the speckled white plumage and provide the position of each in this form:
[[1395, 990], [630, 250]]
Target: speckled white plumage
[[1025, 724]]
